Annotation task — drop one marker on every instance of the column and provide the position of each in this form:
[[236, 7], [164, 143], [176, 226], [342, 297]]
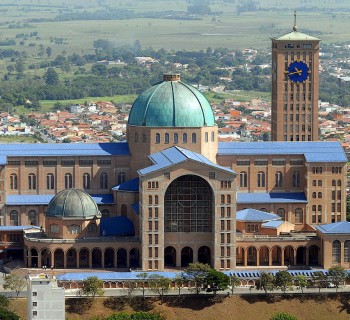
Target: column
[[307, 256], [258, 257], [282, 263], [29, 261], [270, 257], [295, 257], [64, 260], [52, 258], [39, 259], [90, 259], [78, 259], [245, 257], [178, 256], [102, 258], [195, 254]]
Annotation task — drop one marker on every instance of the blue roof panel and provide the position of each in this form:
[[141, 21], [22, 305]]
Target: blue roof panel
[[129, 186], [273, 197], [175, 155], [17, 228], [63, 149], [255, 215], [272, 224], [44, 199], [335, 228], [318, 151], [116, 226]]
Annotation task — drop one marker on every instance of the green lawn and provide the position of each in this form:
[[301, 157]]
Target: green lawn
[[21, 139]]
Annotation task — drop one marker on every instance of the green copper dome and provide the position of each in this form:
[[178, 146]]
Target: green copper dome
[[72, 203], [171, 103]]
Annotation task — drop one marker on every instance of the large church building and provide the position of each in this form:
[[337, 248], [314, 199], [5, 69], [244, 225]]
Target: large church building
[[172, 194]]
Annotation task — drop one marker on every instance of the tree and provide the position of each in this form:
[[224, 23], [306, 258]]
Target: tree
[[283, 280], [196, 273], [265, 282], [51, 77], [49, 51], [234, 282], [15, 283], [319, 280], [92, 286], [19, 66], [159, 284], [4, 302], [8, 315], [216, 280], [283, 316], [302, 282], [143, 276], [179, 281], [131, 287], [337, 275]]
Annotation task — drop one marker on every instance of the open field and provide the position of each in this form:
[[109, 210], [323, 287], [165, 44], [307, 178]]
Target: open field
[[234, 308], [328, 20]]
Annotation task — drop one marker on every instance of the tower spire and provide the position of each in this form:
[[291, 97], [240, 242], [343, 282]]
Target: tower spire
[[295, 28]]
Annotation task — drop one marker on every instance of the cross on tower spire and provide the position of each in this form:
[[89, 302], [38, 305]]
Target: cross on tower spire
[[295, 28]]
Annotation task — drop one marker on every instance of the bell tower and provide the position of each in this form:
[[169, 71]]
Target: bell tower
[[295, 80]]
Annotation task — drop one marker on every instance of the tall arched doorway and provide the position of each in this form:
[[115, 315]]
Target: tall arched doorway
[[301, 255], [59, 258], [96, 258], [34, 257], [122, 258], [186, 256], [313, 255], [84, 257], [45, 257], [169, 257], [134, 258], [71, 258], [109, 258], [204, 255]]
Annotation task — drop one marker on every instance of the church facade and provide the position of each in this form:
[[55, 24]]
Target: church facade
[[172, 194]]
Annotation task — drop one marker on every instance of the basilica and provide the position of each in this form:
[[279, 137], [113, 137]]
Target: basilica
[[172, 194]]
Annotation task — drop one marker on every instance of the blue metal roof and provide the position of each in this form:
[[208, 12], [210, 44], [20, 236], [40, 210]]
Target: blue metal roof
[[335, 228], [273, 197], [17, 228], [175, 155], [63, 149], [44, 199], [129, 186], [312, 151], [136, 208], [116, 226], [119, 276], [255, 215], [272, 224]]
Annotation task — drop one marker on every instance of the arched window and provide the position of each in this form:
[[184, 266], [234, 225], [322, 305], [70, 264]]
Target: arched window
[[334, 183], [222, 199], [296, 179], [336, 251], [319, 208], [68, 181], [243, 179], [261, 179], [86, 180], [314, 209], [92, 228], [314, 195], [103, 181], [166, 138], [50, 181], [14, 218], [347, 251], [314, 183], [194, 138], [32, 181], [184, 138], [320, 183], [156, 200], [299, 216], [228, 199], [136, 137], [206, 135], [176, 138], [150, 200], [212, 136], [278, 179], [281, 213], [121, 177], [319, 195], [339, 183], [157, 138], [73, 229], [13, 181], [33, 218]]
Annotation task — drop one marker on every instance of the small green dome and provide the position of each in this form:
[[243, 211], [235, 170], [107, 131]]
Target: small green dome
[[72, 203], [171, 103]]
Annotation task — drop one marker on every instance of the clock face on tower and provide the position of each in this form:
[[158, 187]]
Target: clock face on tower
[[298, 71]]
